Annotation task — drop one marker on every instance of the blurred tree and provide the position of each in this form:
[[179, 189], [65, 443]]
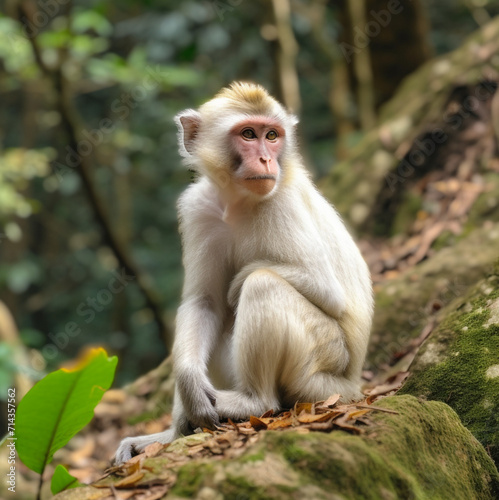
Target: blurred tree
[[123, 70]]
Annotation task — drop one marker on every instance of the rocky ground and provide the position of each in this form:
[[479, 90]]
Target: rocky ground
[[421, 191]]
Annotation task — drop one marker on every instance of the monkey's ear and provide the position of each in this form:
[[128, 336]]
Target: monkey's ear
[[188, 123]]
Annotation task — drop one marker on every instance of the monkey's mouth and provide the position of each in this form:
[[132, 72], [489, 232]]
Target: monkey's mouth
[[261, 178], [261, 185]]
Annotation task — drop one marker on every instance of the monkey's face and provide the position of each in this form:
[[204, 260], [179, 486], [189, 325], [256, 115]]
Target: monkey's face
[[257, 143]]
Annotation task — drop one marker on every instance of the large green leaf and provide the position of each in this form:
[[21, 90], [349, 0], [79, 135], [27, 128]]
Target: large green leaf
[[63, 480], [59, 406]]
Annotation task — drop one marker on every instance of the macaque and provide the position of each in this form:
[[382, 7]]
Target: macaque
[[277, 300]]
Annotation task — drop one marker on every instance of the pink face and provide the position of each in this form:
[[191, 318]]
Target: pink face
[[257, 143]]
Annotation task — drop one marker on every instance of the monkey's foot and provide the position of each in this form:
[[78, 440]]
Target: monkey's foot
[[132, 446], [238, 406]]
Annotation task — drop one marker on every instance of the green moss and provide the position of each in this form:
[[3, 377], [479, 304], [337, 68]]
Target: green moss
[[406, 213], [239, 488], [345, 464], [444, 240], [417, 454], [421, 451], [452, 365], [253, 457], [486, 207], [190, 478]]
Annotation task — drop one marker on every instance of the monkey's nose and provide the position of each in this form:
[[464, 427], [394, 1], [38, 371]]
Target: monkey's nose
[[266, 162]]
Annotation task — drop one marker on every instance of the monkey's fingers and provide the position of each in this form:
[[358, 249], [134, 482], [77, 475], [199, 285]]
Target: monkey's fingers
[[125, 451]]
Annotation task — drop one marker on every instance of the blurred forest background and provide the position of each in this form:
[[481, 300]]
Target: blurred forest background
[[89, 170]]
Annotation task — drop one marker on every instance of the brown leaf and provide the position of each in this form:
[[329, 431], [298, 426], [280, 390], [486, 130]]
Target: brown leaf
[[193, 450], [332, 400], [153, 493], [129, 480], [267, 414], [377, 408], [213, 446], [299, 407], [342, 424], [281, 423], [226, 439], [235, 426], [247, 431], [321, 426], [257, 423], [429, 236], [307, 418], [121, 495], [393, 384], [153, 449], [355, 414], [133, 465]]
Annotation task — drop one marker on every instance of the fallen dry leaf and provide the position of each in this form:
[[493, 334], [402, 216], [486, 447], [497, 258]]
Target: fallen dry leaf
[[153, 449], [307, 407], [268, 414], [341, 422], [392, 384], [247, 431], [281, 423], [153, 493], [331, 401], [355, 414], [232, 424], [319, 426], [257, 423], [307, 418], [194, 450], [130, 480], [377, 408], [122, 495], [213, 446]]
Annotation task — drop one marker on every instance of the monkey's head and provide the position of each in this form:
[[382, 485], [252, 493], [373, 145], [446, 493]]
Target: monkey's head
[[242, 139]]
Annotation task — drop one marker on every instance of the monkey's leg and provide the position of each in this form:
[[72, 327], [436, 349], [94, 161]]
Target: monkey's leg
[[134, 445], [284, 349]]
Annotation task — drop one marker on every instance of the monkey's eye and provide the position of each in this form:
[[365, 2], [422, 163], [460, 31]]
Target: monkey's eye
[[272, 135], [248, 133]]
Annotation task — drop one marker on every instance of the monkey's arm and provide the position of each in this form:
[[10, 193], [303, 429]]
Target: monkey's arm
[[318, 284], [198, 325], [201, 314]]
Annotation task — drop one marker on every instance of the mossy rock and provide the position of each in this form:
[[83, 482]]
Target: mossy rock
[[421, 452], [374, 172], [486, 206], [459, 363], [405, 304]]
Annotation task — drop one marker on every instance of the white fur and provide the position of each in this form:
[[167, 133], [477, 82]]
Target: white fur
[[277, 301]]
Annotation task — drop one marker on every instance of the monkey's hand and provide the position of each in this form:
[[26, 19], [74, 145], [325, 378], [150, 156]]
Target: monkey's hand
[[198, 398], [132, 446]]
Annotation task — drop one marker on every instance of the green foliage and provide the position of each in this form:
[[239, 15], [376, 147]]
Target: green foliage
[[7, 367], [59, 406], [62, 480], [19, 167], [136, 64]]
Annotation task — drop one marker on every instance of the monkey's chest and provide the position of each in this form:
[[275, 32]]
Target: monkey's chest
[[252, 248]]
